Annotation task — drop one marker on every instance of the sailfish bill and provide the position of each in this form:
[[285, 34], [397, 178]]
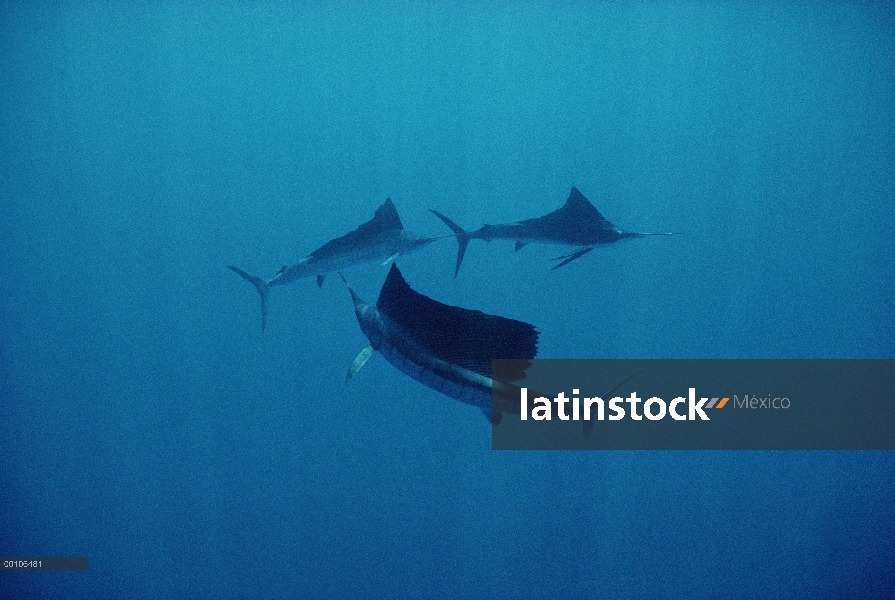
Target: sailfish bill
[[446, 348], [577, 223], [381, 239]]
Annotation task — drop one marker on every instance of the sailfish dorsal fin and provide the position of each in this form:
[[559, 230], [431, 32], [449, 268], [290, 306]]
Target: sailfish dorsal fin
[[468, 338], [383, 224], [577, 218], [579, 207], [386, 217]]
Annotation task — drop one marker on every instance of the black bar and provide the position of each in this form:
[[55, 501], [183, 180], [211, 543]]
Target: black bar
[[44, 563]]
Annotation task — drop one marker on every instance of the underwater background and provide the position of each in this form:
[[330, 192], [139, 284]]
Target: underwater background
[[145, 421]]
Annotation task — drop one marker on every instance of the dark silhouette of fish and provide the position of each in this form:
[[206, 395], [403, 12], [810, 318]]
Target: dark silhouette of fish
[[382, 238], [577, 223], [446, 348]]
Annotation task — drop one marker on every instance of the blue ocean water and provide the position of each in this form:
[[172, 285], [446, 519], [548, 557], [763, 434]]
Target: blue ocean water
[[145, 421]]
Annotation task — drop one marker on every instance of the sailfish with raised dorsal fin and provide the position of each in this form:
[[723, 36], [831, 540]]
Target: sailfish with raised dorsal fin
[[381, 239], [446, 348], [577, 223]]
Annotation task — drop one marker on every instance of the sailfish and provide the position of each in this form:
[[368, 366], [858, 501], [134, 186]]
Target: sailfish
[[577, 223], [382, 238], [447, 348]]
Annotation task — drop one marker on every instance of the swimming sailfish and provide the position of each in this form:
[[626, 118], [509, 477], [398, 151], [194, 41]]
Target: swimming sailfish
[[382, 238], [446, 348], [577, 223]]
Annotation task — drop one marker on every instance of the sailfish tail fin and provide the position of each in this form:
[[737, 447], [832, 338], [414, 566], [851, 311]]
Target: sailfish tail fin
[[262, 288], [462, 236]]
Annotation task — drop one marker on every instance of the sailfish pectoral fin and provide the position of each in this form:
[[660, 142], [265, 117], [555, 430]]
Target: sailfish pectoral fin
[[493, 417], [391, 258], [320, 279], [359, 362], [566, 259], [589, 425]]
